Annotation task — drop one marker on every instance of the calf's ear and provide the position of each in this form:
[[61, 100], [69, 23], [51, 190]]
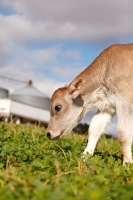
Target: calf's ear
[[75, 87]]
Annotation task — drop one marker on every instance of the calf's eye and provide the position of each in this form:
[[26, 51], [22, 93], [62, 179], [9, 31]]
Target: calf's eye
[[58, 108]]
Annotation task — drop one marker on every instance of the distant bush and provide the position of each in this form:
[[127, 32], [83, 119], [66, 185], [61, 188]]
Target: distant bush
[[81, 128]]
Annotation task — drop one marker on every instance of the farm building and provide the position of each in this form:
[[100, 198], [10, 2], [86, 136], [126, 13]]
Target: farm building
[[27, 105], [5, 103], [4, 93]]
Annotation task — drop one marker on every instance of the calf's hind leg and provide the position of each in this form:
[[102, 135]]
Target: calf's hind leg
[[125, 135]]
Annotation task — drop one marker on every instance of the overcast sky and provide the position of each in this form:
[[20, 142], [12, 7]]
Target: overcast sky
[[51, 41]]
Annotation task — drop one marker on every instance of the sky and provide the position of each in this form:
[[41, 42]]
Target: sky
[[52, 41]]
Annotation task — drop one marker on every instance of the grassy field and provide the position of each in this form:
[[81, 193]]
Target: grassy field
[[35, 168]]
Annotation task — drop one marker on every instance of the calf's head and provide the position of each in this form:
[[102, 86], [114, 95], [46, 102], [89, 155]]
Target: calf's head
[[66, 109]]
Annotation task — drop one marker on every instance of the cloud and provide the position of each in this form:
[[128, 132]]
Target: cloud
[[49, 22], [72, 54], [24, 64], [67, 72], [48, 86], [46, 56], [90, 21]]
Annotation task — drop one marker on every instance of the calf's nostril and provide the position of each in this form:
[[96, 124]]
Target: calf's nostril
[[49, 135]]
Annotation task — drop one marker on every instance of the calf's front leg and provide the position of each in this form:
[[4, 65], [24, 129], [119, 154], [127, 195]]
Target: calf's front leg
[[97, 126]]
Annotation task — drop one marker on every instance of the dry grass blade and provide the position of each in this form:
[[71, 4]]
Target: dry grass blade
[[15, 178], [58, 175], [43, 145], [62, 151]]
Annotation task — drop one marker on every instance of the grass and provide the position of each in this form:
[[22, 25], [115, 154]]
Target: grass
[[35, 168]]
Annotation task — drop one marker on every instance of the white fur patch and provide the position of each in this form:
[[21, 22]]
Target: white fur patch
[[98, 124]]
